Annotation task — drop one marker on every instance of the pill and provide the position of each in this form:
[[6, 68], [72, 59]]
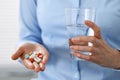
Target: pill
[[31, 59], [35, 52], [32, 55], [37, 59], [40, 55], [27, 56]]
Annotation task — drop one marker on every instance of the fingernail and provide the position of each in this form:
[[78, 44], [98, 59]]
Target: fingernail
[[77, 54], [71, 47]]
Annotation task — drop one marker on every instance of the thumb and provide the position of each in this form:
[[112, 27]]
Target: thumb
[[17, 54], [95, 28]]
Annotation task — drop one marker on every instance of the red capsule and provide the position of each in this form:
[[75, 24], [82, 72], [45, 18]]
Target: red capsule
[[40, 55], [31, 59]]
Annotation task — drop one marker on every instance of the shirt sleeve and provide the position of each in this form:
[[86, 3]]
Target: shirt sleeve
[[29, 28]]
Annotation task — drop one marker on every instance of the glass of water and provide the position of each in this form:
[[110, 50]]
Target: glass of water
[[75, 22]]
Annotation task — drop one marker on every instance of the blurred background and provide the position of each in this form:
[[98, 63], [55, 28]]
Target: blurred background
[[9, 28]]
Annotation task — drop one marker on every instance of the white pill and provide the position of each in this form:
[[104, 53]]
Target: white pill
[[35, 52], [37, 59], [32, 56]]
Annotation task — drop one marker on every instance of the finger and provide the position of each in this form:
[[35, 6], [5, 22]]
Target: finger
[[95, 28], [82, 48], [83, 39], [17, 53], [37, 67], [77, 42], [45, 58], [42, 66], [82, 56], [28, 64]]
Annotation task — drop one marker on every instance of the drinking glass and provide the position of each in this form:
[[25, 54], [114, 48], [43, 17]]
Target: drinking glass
[[75, 23]]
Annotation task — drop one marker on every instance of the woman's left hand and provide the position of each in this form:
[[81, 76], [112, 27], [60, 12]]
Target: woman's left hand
[[101, 52]]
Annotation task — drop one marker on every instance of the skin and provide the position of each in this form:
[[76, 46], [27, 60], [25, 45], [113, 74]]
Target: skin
[[26, 48], [101, 52]]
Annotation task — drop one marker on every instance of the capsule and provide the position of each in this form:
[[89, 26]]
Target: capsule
[[31, 59]]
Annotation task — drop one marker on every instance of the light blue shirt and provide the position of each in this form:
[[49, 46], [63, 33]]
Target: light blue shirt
[[43, 21]]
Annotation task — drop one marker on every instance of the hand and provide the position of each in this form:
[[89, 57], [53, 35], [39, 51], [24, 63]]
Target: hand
[[26, 48], [101, 52]]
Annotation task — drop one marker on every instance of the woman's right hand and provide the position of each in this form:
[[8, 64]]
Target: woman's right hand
[[25, 49]]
